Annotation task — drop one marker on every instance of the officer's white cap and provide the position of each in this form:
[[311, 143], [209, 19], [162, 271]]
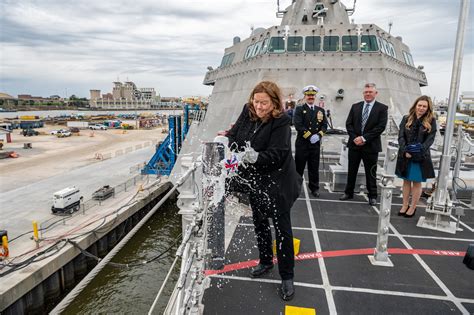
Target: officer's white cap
[[310, 90]]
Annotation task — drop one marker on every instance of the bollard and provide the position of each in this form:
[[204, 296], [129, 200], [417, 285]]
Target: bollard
[[5, 251], [35, 233]]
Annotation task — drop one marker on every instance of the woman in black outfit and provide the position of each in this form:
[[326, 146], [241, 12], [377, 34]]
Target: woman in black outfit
[[414, 165], [262, 135]]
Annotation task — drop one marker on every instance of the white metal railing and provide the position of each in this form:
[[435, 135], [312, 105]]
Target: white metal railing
[[202, 208]]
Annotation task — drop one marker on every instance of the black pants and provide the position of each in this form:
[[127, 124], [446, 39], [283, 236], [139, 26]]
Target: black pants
[[370, 166], [308, 154], [263, 209]]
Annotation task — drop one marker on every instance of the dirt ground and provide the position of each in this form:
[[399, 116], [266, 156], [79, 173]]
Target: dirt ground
[[51, 155]]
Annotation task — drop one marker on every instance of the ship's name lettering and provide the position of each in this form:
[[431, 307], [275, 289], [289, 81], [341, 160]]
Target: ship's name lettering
[[446, 253]]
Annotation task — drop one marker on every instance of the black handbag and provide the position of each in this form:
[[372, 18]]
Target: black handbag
[[417, 156]]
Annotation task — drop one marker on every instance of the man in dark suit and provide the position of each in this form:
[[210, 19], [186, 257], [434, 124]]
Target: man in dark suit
[[366, 122], [311, 124]]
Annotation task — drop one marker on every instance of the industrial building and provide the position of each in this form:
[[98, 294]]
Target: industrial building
[[124, 95]]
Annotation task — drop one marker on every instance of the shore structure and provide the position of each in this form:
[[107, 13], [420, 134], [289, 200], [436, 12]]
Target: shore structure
[[49, 265], [125, 95]]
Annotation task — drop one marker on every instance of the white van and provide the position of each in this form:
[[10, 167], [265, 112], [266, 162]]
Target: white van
[[66, 200]]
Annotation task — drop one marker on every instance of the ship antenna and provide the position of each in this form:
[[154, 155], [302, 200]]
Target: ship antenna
[[390, 23]]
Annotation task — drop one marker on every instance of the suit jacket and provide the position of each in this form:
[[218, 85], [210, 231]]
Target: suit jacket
[[374, 127], [309, 122]]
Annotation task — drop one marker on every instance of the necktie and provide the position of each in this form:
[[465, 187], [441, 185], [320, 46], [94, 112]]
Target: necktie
[[365, 116]]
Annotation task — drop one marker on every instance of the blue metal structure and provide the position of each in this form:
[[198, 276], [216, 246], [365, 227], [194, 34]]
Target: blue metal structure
[[164, 158], [179, 136], [186, 121], [167, 151]]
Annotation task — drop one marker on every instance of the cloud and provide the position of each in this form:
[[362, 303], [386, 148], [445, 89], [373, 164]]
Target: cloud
[[51, 45]]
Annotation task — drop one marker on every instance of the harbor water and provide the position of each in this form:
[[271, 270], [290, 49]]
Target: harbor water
[[133, 290]]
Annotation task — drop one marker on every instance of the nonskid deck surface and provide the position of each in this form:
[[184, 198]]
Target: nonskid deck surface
[[333, 273]]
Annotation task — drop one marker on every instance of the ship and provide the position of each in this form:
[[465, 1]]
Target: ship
[[353, 258]]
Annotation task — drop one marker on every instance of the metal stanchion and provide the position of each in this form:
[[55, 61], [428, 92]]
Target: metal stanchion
[[439, 207], [381, 257]]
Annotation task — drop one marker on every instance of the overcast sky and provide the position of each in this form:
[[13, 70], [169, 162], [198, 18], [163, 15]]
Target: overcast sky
[[69, 47]]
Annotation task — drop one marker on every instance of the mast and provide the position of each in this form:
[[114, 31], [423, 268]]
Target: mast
[[314, 12]]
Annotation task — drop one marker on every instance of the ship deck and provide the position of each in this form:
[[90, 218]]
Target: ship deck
[[333, 273]]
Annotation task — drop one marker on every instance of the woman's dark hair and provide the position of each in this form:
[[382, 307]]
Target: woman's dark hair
[[272, 90], [427, 117]]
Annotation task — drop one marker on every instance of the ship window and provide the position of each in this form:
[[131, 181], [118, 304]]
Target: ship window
[[230, 59], [227, 59], [408, 58], [350, 43], [256, 49], [224, 60], [368, 43], [381, 45], [265, 46], [390, 49], [248, 53], [277, 45], [312, 43], [319, 6], [331, 43], [295, 43]]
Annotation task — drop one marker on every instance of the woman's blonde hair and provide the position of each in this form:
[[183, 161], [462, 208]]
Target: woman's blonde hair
[[272, 90], [427, 117]]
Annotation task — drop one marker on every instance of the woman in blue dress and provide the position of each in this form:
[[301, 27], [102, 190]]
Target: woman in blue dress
[[414, 164]]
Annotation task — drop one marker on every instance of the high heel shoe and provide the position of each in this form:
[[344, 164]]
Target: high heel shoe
[[400, 213], [410, 215]]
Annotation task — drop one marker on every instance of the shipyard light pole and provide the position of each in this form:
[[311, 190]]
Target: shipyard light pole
[[438, 211]]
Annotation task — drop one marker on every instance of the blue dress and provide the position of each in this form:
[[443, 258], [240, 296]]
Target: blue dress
[[414, 172]]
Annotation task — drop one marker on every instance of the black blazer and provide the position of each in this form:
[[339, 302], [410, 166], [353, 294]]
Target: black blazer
[[426, 139], [309, 122], [374, 127], [274, 173]]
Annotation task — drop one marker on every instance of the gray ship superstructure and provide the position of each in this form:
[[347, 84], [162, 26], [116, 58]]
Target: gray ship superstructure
[[316, 43]]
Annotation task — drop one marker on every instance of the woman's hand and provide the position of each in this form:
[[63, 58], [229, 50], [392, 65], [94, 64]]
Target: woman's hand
[[408, 155]]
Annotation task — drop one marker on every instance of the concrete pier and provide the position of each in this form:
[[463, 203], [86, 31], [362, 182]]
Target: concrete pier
[[29, 288]]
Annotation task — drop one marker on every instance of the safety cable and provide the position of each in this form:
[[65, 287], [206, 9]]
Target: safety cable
[[120, 265]]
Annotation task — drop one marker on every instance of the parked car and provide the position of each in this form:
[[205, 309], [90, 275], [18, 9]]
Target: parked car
[[98, 127], [29, 132], [63, 133], [54, 132], [74, 129]]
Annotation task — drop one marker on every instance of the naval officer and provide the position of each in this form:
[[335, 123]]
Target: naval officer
[[311, 124]]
